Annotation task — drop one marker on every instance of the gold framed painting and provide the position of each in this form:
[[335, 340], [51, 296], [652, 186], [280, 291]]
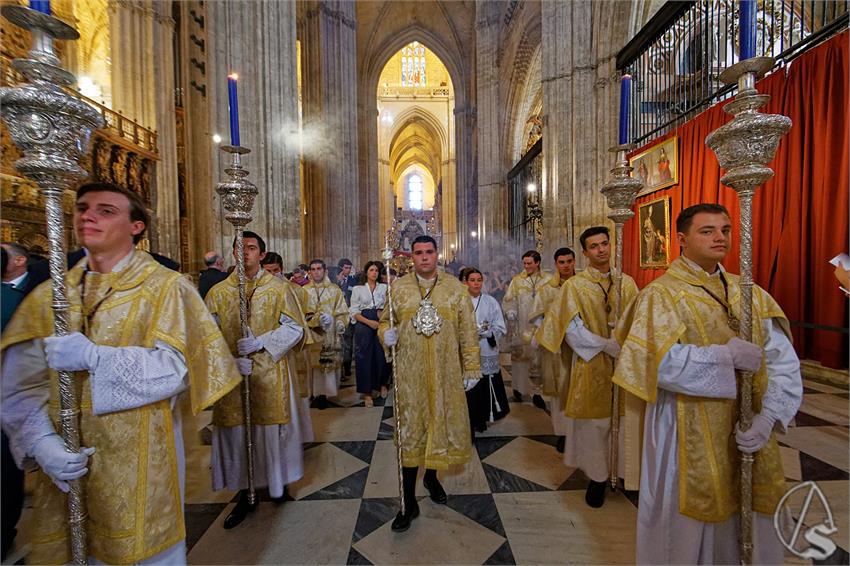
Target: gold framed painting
[[658, 166], [654, 233]]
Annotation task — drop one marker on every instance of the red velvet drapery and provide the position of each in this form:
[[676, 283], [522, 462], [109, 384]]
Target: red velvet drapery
[[800, 217]]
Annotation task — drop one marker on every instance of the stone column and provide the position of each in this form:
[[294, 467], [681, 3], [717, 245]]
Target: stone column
[[580, 42], [466, 188], [492, 193], [142, 46], [256, 40], [329, 98]]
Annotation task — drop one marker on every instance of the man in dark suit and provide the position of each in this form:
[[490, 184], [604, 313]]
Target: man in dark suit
[[16, 284], [214, 273]]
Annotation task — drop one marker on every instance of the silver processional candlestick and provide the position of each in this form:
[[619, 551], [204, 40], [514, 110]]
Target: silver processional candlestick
[[237, 198], [620, 192], [744, 147], [53, 128], [391, 244]]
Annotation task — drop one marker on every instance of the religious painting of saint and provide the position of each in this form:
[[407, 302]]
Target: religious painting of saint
[[658, 166], [654, 233]]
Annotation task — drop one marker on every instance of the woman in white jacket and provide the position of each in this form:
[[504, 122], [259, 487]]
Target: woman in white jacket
[[367, 302]]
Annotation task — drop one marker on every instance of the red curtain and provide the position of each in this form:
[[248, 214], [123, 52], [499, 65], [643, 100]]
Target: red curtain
[[800, 217]]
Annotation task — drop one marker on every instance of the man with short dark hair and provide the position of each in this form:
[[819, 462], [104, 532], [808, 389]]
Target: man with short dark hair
[[437, 357], [212, 274], [140, 337], [583, 317], [276, 326], [555, 366], [518, 305], [326, 314], [343, 276], [680, 353]]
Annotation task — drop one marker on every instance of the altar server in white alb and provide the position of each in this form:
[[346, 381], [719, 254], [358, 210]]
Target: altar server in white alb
[[680, 354], [276, 327]]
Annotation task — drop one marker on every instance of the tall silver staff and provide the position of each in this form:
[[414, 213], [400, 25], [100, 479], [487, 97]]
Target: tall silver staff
[[391, 243], [744, 147], [52, 129], [620, 192], [237, 198]]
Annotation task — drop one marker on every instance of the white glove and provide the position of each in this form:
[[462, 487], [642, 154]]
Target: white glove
[[611, 347], [391, 337], [73, 352], [340, 327], [745, 355], [60, 465], [469, 383], [511, 315], [754, 439], [482, 333], [534, 343], [245, 366], [326, 320], [249, 345]]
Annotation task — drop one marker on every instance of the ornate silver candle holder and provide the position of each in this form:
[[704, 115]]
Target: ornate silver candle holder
[[52, 129], [620, 192], [744, 147], [237, 198]]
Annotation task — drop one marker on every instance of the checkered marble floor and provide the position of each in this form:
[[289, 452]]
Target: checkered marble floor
[[515, 502]]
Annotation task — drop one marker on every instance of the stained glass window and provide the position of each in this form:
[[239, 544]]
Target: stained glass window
[[413, 65], [415, 194]]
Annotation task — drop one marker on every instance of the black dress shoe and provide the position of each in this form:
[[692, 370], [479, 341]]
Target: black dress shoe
[[595, 495], [562, 441], [402, 522], [538, 402], [239, 512], [517, 396], [436, 491], [321, 402]]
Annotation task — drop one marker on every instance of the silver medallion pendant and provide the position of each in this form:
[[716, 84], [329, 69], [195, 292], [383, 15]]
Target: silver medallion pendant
[[427, 320]]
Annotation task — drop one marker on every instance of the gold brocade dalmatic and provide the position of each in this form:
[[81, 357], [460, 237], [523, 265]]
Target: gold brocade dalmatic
[[589, 392], [674, 309], [521, 298], [132, 489], [318, 298], [430, 372], [554, 367], [268, 299], [298, 358]]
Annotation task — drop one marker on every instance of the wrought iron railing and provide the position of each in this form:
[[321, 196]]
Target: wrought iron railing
[[414, 91], [116, 123], [676, 58]]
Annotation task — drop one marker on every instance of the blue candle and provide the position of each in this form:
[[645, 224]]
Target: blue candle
[[625, 95], [234, 109], [747, 28], [42, 6]]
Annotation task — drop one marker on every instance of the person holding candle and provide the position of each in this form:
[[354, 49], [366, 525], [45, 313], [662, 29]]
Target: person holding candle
[[583, 317], [680, 353], [277, 327], [135, 345]]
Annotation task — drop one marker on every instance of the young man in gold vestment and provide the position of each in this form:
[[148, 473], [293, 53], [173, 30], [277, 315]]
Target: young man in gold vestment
[[140, 336], [583, 317], [680, 352], [555, 367], [276, 327], [437, 358], [327, 316], [519, 305]]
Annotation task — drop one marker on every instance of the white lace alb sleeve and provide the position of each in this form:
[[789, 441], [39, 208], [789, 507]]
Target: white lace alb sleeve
[[25, 392], [702, 371], [784, 383], [279, 341], [497, 320], [128, 377], [583, 342]]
